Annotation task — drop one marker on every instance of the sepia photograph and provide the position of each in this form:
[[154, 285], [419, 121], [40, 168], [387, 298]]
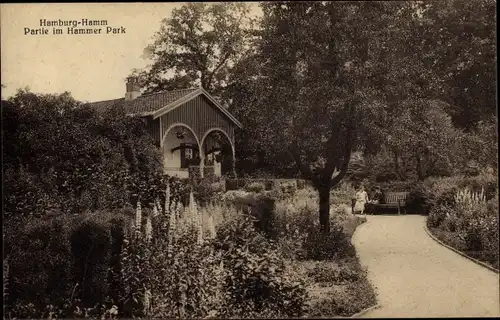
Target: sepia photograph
[[250, 160]]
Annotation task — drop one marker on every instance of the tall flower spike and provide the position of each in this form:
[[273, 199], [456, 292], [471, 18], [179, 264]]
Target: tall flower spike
[[179, 209], [167, 198], [149, 228], [171, 230], [211, 226], [192, 209], [147, 301], [155, 210], [199, 221], [173, 221], [138, 216]]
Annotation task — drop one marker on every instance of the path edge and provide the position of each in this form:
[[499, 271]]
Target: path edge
[[458, 251], [377, 305], [362, 312]]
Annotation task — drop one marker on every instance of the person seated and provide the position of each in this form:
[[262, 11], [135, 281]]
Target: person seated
[[378, 197]]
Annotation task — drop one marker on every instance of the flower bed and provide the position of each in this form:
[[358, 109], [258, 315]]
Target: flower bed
[[336, 282], [185, 261], [466, 219]]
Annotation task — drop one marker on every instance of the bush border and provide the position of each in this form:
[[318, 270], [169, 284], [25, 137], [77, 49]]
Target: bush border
[[376, 305], [457, 251], [364, 311]]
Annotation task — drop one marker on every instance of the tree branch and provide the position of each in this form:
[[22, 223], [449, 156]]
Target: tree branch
[[305, 170], [344, 166], [347, 150], [221, 63]]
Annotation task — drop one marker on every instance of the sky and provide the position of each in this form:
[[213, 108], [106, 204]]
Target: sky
[[92, 67]]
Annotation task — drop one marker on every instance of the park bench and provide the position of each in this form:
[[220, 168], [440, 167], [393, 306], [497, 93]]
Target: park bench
[[393, 200]]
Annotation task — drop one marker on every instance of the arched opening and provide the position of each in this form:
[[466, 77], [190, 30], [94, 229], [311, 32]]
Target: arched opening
[[218, 153], [180, 150]]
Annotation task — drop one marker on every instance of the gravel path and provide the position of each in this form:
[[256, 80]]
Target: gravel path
[[415, 276]]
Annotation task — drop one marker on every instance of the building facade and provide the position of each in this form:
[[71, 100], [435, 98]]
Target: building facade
[[193, 131]]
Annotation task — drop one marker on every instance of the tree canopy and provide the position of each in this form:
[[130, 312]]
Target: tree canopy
[[198, 45]]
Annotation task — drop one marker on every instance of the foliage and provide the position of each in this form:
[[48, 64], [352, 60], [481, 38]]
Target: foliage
[[342, 194], [335, 244], [435, 192], [67, 157], [259, 284], [356, 297], [206, 189], [262, 209], [255, 187], [438, 215], [465, 219], [352, 296], [104, 268], [328, 273], [296, 226], [61, 264], [456, 43], [299, 89], [199, 44], [422, 136]]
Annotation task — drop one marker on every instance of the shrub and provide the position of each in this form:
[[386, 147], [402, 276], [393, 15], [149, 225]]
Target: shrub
[[258, 284], [419, 198], [438, 215], [205, 190], [353, 296], [90, 247], [184, 284], [62, 262], [469, 223], [484, 181], [40, 266], [334, 245], [269, 184], [173, 274], [475, 226], [231, 184], [235, 184], [255, 187], [288, 189], [342, 194], [262, 208], [301, 184], [63, 155], [331, 273], [234, 197], [264, 212]]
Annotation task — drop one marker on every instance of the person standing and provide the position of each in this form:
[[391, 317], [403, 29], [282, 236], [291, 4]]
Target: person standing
[[361, 200]]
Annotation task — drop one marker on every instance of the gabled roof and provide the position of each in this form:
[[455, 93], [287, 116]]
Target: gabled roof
[[158, 104]]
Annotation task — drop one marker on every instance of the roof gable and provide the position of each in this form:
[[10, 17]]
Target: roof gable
[[157, 104]]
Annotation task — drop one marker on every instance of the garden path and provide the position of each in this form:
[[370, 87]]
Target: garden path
[[414, 276]]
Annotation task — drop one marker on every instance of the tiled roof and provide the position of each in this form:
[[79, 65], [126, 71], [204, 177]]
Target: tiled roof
[[145, 103]]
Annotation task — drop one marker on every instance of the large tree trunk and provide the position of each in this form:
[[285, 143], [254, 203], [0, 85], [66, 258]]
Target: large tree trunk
[[397, 167], [420, 169], [324, 208]]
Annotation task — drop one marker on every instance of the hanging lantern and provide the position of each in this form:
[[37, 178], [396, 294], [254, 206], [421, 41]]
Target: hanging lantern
[[180, 134]]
